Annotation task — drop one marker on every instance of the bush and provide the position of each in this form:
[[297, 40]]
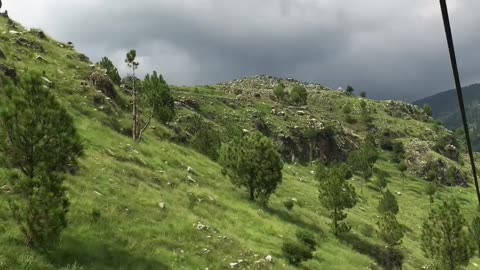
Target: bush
[[367, 230], [347, 109], [427, 110], [307, 238], [207, 141], [289, 204], [296, 252], [298, 95], [279, 91], [95, 215], [349, 119], [39, 142], [237, 91]]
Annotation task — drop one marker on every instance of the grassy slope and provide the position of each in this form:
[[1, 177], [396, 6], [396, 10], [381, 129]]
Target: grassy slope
[[126, 182]]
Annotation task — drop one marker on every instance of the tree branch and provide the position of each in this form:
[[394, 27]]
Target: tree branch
[[139, 138]]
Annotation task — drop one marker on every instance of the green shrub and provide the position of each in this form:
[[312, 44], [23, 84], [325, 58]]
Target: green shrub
[[388, 203], [39, 143], [295, 252], [279, 91], [307, 238], [289, 204], [349, 119], [237, 91], [298, 95], [367, 230], [95, 215]]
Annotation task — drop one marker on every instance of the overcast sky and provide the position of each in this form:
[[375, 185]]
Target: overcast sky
[[392, 49]]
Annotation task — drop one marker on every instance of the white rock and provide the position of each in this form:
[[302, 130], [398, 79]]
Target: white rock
[[233, 265], [161, 205], [269, 258], [191, 179]]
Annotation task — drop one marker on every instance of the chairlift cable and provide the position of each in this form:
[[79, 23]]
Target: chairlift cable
[[453, 59]]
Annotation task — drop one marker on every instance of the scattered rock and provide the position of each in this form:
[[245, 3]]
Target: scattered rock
[[13, 32], [269, 258], [191, 179], [39, 58], [98, 193], [47, 81], [29, 44], [161, 205], [399, 193], [191, 170]]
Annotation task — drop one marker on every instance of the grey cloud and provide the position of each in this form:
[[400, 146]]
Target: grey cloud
[[392, 49]]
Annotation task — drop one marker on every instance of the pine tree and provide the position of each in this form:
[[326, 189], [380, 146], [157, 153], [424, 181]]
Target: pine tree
[[427, 110], [350, 90], [362, 160], [253, 162], [112, 71], [390, 230], [39, 143], [430, 190], [475, 232], [388, 203], [130, 60], [156, 96], [336, 195], [444, 238]]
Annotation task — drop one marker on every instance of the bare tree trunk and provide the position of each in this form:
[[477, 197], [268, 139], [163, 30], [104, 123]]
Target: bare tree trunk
[[135, 110]]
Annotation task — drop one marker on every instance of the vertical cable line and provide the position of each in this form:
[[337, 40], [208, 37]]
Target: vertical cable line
[[453, 58]]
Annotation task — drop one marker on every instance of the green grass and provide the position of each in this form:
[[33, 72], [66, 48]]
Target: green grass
[[125, 182]]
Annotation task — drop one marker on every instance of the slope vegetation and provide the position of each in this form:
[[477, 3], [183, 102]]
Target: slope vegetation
[[160, 204]]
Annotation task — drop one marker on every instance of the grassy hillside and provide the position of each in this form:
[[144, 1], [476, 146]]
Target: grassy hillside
[[137, 206], [445, 108]]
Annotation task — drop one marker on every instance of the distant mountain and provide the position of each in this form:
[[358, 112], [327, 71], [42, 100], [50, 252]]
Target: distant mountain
[[445, 109]]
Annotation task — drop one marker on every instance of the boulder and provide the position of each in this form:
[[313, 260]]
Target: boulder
[[269, 258], [39, 58]]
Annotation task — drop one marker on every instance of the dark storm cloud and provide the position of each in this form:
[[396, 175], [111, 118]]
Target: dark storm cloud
[[391, 49]]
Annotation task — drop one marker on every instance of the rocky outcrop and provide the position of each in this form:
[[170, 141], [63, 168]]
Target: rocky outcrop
[[29, 44], [104, 84], [428, 165], [404, 110], [314, 143]]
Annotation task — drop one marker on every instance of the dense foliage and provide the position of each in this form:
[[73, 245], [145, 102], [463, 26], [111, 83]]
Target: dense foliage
[[336, 195], [444, 238], [253, 162], [112, 71], [38, 141]]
